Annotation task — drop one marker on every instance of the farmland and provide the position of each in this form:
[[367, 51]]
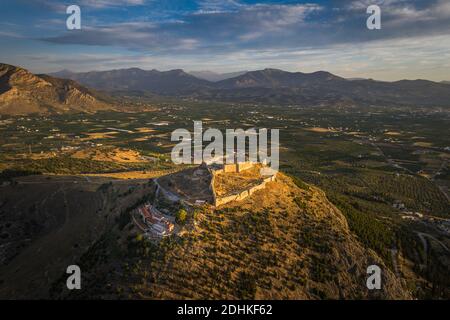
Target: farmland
[[367, 160]]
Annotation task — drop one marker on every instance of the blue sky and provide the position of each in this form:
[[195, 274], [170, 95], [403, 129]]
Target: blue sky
[[231, 35]]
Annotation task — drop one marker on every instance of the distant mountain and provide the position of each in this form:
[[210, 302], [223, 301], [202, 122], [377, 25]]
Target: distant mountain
[[446, 82], [353, 79], [63, 74], [274, 78], [277, 86], [135, 79], [270, 86], [22, 92], [215, 77]]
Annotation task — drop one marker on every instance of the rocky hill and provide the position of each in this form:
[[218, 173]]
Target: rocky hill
[[22, 92], [286, 241]]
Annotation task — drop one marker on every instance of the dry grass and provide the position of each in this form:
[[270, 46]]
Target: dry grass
[[132, 174], [144, 138], [109, 155], [393, 133], [99, 135], [44, 155], [145, 130], [229, 183], [319, 130], [423, 144]]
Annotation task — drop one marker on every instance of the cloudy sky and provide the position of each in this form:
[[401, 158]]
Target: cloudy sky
[[231, 35]]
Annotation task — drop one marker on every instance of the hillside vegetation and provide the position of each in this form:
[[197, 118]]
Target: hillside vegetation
[[284, 242]]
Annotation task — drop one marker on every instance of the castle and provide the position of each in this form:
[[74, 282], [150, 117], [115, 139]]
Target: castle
[[240, 195], [214, 183]]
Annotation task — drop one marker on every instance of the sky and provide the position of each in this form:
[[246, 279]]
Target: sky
[[231, 35]]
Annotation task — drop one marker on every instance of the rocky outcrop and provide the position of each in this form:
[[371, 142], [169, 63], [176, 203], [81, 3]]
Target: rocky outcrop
[[22, 92]]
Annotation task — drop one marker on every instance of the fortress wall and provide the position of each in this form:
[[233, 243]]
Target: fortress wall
[[230, 168], [218, 201], [234, 167], [256, 188], [211, 184], [223, 200], [241, 196], [271, 178], [244, 166]]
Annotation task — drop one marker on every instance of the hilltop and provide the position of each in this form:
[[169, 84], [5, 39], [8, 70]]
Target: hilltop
[[22, 92], [286, 241]]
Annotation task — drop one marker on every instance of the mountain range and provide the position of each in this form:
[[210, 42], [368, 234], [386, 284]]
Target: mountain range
[[173, 82], [214, 76], [22, 92], [269, 86]]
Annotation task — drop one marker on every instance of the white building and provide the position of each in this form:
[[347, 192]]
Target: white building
[[159, 229]]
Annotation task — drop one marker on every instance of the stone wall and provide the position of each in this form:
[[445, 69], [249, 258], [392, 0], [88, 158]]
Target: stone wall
[[218, 201], [235, 167], [211, 185], [244, 166], [229, 168]]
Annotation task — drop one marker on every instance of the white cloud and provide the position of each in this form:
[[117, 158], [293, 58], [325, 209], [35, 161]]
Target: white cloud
[[217, 6], [230, 35], [96, 4], [110, 3], [421, 57], [406, 9], [10, 34], [274, 17]]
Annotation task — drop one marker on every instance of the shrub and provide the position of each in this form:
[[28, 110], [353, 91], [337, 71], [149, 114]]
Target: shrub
[[181, 216]]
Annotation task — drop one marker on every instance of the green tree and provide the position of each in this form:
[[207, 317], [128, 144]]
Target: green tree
[[195, 214], [181, 216]]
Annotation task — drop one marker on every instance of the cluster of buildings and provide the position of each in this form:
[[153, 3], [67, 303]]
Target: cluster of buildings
[[399, 205], [443, 225], [157, 224], [407, 215]]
